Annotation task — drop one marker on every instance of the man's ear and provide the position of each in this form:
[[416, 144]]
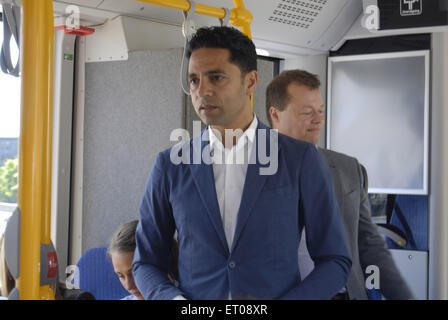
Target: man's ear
[[274, 113], [251, 81]]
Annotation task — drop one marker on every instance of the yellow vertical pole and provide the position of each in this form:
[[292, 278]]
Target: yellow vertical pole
[[34, 147]]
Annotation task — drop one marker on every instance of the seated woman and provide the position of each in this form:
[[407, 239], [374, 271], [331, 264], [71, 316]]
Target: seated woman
[[121, 251]]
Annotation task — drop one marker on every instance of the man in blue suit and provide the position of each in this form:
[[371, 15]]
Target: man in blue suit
[[238, 222]]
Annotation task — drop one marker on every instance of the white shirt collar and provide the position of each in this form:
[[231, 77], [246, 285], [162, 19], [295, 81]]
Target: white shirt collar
[[249, 133]]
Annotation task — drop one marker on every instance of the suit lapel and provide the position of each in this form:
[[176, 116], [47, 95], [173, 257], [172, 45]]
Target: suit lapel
[[205, 183], [253, 185]]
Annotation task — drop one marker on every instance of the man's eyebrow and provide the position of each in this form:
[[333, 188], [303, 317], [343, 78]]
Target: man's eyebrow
[[210, 72], [215, 71], [311, 107]]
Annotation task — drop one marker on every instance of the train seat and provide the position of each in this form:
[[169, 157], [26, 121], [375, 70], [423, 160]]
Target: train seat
[[96, 275]]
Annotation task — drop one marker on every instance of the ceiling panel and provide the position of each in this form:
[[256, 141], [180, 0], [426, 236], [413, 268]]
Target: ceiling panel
[[299, 23], [144, 10], [288, 24], [162, 14], [90, 16]]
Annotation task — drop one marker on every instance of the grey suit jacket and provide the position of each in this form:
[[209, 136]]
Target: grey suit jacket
[[366, 244]]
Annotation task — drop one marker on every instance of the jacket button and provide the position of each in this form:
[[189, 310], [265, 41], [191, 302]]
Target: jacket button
[[232, 264]]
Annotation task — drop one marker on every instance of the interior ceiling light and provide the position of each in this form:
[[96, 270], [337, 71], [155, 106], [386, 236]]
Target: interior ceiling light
[[262, 52]]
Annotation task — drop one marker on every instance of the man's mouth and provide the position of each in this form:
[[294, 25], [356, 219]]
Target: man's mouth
[[207, 108]]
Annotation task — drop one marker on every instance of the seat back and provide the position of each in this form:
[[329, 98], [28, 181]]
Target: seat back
[[374, 294], [410, 214], [96, 275]]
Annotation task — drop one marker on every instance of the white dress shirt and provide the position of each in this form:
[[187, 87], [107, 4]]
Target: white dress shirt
[[229, 171]]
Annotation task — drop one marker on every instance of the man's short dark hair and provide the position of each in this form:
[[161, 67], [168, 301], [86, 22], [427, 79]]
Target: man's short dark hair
[[277, 91], [242, 49]]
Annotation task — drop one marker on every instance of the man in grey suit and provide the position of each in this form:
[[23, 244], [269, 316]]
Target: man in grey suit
[[294, 106]]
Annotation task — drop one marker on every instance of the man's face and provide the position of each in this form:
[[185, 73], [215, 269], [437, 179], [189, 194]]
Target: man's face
[[220, 95], [303, 117]]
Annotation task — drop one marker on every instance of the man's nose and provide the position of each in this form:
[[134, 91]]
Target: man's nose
[[317, 116], [204, 88]]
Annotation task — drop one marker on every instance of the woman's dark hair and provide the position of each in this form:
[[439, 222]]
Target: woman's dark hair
[[123, 239], [242, 49]]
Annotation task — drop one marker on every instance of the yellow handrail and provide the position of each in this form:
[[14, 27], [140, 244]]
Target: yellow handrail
[[239, 16], [35, 144]]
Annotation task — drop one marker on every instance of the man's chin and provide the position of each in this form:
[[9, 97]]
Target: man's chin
[[314, 141], [139, 296], [211, 121]]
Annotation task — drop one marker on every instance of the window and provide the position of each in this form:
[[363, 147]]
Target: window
[[9, 137]]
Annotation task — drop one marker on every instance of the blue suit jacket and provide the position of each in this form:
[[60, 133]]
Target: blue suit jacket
[[263, 260]]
